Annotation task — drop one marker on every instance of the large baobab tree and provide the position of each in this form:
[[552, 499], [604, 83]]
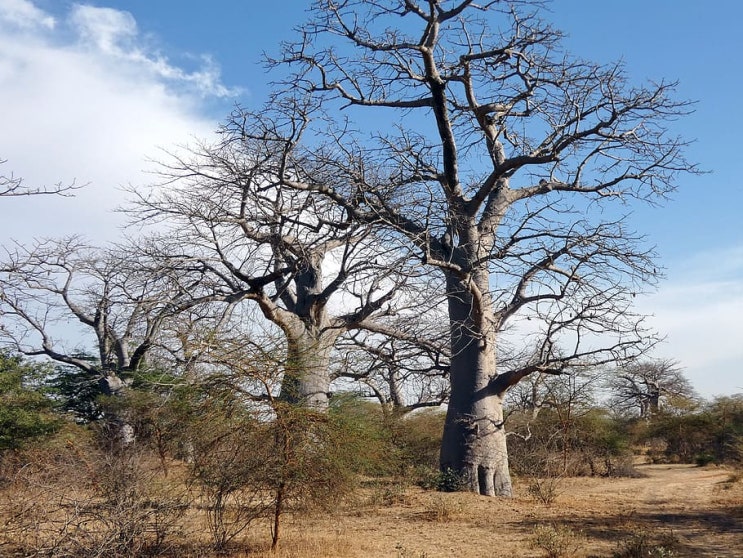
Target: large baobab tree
[[499, 159], [311, 270]]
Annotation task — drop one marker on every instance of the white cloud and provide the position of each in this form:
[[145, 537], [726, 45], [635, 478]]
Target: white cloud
[[88, 100], [105, 28], [24, 15], [699, 309], [114, 33]]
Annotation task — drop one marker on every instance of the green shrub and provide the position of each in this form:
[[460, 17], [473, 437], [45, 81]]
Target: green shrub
[[386, 443], [450, 480], [703, 459], [712, 433], [25, 413]]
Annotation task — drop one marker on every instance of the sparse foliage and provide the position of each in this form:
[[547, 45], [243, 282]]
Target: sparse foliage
[[557, 541], [80, 499], [644, 544], [311, 270]]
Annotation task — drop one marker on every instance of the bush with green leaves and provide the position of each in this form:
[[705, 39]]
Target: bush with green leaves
[[250, 460], [76, 392], [712, 433], [25, 412], [591, 442], [386, 443]]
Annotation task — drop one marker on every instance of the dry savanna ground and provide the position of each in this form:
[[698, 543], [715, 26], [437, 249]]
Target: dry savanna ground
[[671, 511]]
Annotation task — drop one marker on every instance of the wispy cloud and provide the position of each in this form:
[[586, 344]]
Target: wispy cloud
[[114, 34], [23, 14], [86, 96]]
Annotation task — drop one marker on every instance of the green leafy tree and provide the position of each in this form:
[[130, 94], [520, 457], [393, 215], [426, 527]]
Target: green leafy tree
[[25, 413], [76, 392]]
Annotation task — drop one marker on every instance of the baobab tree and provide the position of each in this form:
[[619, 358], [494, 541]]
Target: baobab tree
[[311, 270], [468, 133], [643, 387], [102, 311]]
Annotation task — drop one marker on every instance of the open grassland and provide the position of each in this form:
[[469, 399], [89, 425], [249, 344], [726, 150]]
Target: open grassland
[[670, 511]]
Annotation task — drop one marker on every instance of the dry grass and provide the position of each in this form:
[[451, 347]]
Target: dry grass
[[699, 509]]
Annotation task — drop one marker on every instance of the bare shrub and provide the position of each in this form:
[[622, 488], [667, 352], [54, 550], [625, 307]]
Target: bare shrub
[[643, 544], [557, 541], [441, 509], [588, 444], [404, 552], [137, 509], [228, 463], [389, 494], [82, 501], [545, 489]]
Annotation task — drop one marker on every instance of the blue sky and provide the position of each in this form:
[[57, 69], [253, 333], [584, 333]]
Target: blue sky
[[90, 90]]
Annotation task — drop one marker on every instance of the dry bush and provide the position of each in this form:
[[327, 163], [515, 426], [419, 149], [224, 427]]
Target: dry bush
[[589, 444], [545, 489], [83, 501], [643, 544], [404, 552], [441, 509], [417, 436], [385, 494], [137, 509], [557, 541], [227, 467]]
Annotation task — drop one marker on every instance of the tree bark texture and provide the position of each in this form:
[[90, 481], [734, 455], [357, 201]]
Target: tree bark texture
[[306, 379], [474, 440]]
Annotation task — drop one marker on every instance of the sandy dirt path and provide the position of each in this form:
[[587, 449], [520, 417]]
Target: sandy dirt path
[[696, 508]]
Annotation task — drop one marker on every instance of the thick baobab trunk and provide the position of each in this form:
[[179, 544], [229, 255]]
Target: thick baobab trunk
[[307, 377], [121, 429], [474, 441]]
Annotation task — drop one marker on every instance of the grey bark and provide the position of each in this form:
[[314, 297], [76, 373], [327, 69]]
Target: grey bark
[[474, 441], [307, 377], [291, 253]]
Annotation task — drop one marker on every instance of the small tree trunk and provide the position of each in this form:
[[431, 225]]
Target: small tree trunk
[[474, 441], [277, 511]]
